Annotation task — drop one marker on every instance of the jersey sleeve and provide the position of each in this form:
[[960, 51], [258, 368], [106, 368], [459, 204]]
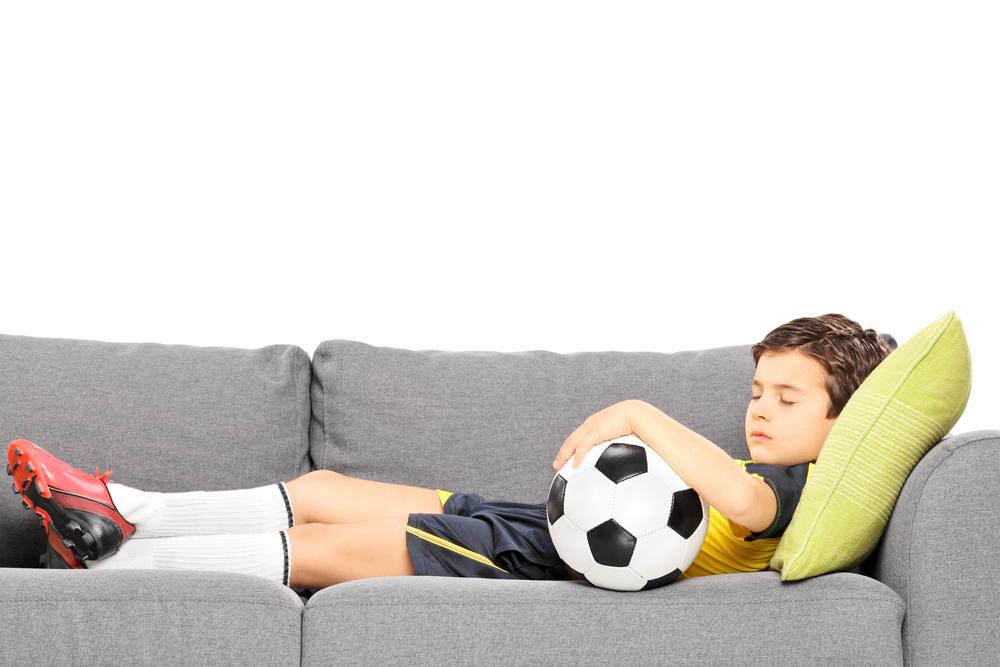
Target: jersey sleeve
[[787, 483]]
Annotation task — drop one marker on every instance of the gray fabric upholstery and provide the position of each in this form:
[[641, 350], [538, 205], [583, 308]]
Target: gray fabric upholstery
[[492, 422], [940, 552], [162, 417], [731, 619], [146, 617]]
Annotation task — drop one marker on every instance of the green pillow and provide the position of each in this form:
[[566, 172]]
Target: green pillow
[[905, 406]]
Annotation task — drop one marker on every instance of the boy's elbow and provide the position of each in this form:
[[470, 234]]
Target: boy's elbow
[[759, 506]]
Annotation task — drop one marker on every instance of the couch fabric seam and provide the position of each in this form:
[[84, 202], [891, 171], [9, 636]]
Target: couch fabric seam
[[604, 603], [133, 601]]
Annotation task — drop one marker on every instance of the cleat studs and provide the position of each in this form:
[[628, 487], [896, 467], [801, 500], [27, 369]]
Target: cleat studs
[[25, 483], [25, 505], [17, 452], [29, 467], [13, 485], [8, 470], [16, 465]]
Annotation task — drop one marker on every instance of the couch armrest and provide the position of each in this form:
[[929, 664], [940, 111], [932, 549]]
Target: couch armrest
[[939, 552]]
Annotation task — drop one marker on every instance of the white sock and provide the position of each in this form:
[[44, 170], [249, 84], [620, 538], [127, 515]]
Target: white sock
[[264, 554], [155, 514]]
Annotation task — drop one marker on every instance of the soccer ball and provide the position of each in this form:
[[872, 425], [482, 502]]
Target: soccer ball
[[624, 519]]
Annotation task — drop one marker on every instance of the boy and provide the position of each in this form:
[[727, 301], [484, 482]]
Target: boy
[[325, 528]]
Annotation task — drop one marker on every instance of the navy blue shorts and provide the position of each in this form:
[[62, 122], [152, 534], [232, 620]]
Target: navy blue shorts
[[488, 539]]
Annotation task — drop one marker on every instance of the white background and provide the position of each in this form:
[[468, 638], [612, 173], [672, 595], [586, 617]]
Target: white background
[[499, 176]]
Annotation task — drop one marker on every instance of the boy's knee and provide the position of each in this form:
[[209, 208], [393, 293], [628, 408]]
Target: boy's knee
[[322, 476]]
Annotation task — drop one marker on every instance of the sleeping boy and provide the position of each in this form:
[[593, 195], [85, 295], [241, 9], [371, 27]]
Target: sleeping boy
[[324, 527]]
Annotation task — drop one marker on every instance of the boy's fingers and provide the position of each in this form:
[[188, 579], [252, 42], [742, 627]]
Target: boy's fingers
[[569, 447], [580, 455], [564, 455], [560, 457]]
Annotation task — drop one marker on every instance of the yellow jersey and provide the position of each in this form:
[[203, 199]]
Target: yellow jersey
[[730, 547]]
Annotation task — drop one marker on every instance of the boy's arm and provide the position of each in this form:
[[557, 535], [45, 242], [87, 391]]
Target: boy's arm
[[763, 507], [707, 468]]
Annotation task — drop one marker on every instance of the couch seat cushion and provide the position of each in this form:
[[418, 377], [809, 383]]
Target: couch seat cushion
[[724, 619]]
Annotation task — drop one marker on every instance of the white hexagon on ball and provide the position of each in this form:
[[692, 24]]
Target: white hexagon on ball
[[575, 550], [663, 546], [642, 504], [589, 497], [615, 578], [658, 467]]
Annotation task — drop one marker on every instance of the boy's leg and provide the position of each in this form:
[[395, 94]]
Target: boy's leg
[[323, 554], [327, 496], [85, 506], [318, 555], [95, 515], [262, 554], [163, 514]]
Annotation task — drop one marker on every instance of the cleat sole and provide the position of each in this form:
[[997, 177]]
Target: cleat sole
[[77, 534]]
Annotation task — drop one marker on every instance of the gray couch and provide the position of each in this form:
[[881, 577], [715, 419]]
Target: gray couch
[[181, 418]]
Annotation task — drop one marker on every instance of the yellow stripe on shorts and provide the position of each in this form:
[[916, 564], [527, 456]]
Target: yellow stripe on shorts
[[451, 546], [447, 544]]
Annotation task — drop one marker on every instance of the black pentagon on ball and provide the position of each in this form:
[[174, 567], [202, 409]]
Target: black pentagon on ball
[[622, 460], [685, 512], [554, 506], [610, 544], [661, 581]]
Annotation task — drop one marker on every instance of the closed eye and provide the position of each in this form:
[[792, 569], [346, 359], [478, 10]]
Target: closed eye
[[754, 398]]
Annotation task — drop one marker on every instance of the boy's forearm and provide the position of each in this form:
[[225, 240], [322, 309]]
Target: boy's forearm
[[705, 466]]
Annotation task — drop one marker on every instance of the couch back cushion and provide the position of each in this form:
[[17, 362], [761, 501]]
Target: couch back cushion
[[491, 422], [162, 417]]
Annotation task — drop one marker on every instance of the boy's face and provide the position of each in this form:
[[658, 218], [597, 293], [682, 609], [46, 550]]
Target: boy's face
[[796, 431]]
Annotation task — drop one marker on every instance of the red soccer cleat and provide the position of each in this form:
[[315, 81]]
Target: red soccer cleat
[[60, 554], [74, 507]]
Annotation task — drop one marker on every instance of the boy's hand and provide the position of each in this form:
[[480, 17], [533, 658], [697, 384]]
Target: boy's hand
[[611, 422]]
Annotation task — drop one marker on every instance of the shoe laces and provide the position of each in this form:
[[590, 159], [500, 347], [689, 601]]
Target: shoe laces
[[106, 475]]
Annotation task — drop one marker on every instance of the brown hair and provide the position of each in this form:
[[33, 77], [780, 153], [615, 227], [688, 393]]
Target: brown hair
[[847, 352]]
